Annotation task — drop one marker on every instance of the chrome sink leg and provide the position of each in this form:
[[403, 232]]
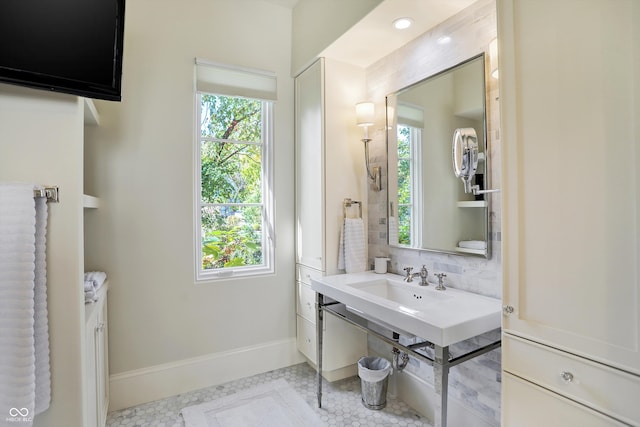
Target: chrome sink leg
[[319, 317], [441, 380]]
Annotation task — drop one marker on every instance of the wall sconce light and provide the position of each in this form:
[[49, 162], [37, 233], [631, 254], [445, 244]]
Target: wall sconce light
[[493, 58], [365, 115]]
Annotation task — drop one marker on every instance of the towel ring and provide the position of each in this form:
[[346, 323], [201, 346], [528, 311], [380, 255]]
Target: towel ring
[[347, 203]]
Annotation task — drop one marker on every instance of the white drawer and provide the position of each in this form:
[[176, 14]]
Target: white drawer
[[306, 302], [598, 386], [306, 338], [305, 274], [527, 405]]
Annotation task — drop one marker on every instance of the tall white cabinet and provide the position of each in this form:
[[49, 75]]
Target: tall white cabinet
[[329, 169], [570, 94]]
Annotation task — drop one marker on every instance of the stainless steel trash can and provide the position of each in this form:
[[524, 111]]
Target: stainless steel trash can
[[374, 377]]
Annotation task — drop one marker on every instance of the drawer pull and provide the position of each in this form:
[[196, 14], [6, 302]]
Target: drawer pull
[[566, 376]]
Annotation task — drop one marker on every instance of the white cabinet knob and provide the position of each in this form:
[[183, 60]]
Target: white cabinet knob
[[566, 376]]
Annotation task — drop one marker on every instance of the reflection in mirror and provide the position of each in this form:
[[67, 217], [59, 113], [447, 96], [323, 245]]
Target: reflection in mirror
[[428, 206], [465, 155]]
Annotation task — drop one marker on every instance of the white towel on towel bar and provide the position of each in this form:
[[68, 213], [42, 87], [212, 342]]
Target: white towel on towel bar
[[393, 230], [25, 378], [352, 253], [41, 320]]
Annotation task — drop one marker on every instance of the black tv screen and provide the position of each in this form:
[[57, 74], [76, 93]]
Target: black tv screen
[[70, 46]]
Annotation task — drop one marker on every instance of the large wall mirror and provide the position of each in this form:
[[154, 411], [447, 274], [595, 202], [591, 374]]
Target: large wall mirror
[[428, 206]]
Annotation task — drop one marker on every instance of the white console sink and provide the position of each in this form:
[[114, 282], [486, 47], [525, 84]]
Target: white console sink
[[441, 317]]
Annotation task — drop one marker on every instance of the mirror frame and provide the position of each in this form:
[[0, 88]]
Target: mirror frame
[[485, 146]]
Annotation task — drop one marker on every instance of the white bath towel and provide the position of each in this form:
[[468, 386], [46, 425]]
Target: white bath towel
[[472, 244], [24, 344], [352, 253], [90, 296], [93, 280], [41, 320], [393, 230]]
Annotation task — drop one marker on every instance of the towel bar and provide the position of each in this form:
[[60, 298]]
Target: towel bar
[[51, 193], [347, 203]]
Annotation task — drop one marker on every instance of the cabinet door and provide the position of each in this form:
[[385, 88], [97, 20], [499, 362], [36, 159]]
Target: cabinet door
[[102, 364], [522, 403], [91, 404], [607, 390], [343, 344], [570, 94], [309, 166]]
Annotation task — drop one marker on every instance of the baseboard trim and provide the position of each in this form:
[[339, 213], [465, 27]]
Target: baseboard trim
[[158, 382], [421, 396]]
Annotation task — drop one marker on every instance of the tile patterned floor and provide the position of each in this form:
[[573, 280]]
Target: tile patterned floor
[[341, 403]]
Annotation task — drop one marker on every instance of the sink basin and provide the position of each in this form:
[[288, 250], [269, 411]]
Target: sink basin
[[442, 317], [405, 294]]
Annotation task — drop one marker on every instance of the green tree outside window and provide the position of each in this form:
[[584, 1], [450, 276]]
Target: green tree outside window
[[404, 185], [231, 158]]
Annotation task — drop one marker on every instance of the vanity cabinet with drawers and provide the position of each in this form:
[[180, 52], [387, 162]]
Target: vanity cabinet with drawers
[[329, 168]]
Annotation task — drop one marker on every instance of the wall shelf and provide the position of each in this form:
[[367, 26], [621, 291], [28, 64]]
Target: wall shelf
[[91, 116], [471, 251], [90, 202]]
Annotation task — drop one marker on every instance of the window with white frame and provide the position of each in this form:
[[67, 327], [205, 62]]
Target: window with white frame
[[409, 138], [407, 143], [234, 196]]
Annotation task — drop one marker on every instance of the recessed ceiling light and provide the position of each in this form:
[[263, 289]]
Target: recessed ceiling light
[[402, 23]]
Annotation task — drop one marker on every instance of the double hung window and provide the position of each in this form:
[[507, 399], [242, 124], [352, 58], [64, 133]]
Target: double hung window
[[234, 195]]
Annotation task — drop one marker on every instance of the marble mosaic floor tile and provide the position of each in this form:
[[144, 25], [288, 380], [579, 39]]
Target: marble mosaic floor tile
[[341, 403]]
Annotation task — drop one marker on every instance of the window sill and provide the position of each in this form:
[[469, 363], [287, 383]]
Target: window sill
[[205, 277]]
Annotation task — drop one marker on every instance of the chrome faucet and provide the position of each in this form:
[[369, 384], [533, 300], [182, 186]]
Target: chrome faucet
[[409, 277], [423, 276], [440, 286]]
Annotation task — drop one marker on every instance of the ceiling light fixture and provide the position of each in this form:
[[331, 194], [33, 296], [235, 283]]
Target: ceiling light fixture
[[402, 23]]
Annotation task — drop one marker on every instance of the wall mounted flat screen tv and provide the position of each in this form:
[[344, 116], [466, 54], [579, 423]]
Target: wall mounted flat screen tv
[[69, 46]]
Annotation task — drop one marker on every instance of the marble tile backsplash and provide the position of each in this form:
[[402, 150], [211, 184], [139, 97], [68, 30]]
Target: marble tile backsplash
[[476, 382]]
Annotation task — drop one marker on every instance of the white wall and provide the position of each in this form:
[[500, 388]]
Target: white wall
[[140, 162], [41, 142]]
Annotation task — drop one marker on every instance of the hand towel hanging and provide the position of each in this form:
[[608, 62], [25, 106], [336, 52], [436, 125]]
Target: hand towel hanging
[[25, 380], [352, 253]]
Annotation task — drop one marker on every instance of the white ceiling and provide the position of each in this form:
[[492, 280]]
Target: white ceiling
[[374, 37]]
